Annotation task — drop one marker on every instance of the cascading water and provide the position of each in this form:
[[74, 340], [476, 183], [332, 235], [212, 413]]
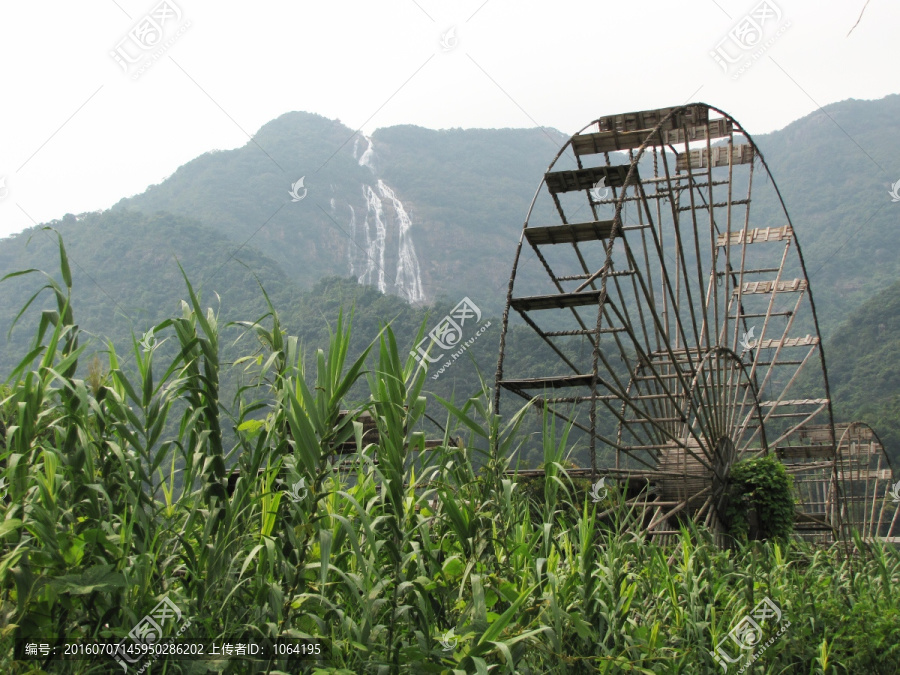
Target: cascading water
[[375, 244], [386, 220], [366, 159], [408, 280], [352, 227]]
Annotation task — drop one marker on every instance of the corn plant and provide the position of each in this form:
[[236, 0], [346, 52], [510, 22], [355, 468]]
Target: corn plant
[[118, 488]]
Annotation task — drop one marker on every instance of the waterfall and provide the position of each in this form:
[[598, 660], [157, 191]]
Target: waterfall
[[379, 223], [408, 279], [374, 244], [352, 228], [366, 159]]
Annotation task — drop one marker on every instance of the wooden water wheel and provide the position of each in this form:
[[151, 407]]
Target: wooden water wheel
[[659, 266], [869, 497]]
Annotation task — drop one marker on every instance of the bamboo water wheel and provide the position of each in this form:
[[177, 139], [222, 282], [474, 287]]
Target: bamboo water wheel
[[660, 268], [869, 497]]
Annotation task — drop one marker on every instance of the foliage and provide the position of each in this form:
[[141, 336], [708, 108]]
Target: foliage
[[760, 485], [379, 560], [466, 192], [138, 304], [863, 357]]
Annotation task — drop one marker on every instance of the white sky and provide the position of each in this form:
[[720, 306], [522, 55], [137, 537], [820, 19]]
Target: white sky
[[76, 134]]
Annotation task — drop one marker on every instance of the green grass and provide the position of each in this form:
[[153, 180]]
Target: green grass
[[115, 497]]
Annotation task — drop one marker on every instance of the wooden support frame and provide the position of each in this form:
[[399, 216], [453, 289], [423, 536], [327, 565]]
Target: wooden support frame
[[701, 343]]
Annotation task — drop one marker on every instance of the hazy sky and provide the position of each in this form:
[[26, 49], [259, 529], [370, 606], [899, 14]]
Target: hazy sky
[[81, 126]]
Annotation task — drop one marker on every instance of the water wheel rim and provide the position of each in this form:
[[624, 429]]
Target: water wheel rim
[[715, 329]]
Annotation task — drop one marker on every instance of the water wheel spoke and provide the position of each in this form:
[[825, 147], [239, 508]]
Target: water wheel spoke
[[684, 320]]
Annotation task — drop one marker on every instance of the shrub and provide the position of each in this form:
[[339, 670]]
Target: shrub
[[760, 486]]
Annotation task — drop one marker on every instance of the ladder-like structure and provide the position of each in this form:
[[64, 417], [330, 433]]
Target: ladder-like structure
[[869, 497], [660, 268]]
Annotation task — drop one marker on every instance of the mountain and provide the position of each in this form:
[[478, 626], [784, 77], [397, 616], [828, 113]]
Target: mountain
[[864, 368], [424, 213], [424, 216], [834, 169], [414, 212], [126, 276]]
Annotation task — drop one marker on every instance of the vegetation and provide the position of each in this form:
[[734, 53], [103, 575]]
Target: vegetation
[[413, 560], [761, 487], [114, 311], [466, 192], [226, 217], [863, 360]]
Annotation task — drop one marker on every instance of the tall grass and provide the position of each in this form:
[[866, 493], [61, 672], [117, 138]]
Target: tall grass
[[413, 560]]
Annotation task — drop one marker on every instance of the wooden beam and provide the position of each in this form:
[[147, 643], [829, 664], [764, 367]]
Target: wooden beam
[[585, 179], [615, 140], [700, 159], [569, 233]]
